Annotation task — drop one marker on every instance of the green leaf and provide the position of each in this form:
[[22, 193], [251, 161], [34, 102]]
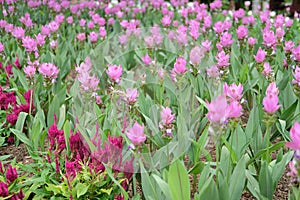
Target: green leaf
[[163, 185], [266, 185], [178, 181], [237, 184], [81, 189], [21, 136], [21, 120]]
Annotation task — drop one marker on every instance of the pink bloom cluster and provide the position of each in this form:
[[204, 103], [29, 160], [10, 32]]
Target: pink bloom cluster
[[10, 175], [227, 105], [114, 72], [49, 71], [136, 134], [167, 119], [270, 101], [88, 82]]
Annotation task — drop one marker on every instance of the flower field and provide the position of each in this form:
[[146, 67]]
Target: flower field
[[148, 99]]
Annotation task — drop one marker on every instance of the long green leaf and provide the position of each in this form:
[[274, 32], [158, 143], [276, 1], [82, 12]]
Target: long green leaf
[[178, 181]]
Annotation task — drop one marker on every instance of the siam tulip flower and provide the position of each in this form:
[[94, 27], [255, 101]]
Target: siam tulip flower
[[267, 71], [247, 3], [81, 37], [40, 39], [49, 70], [3, 189], [222, 59], [53, 44], [279, 21], [88, 83], [260, 55], [45, 30], [29, 43], [295, 137], [270, 102], [293, 172], [11, 174], [136, 134], [1, 47], [93, 36], [226, 40], [196, 55], [219, 27], [30, 71], [296, 75], [131, 96], [166, 21], [82, 22], [217, 110], [102, 32], [269, 38], [213, 71], [251, 41], [146, 59], [296, 53], [234, 110], [280, 33], [234, 92], [8, 69], [70, 20], [288, 46], [91, 25], [180, 66], [167, 117], [114, 72], [18, 32], [242, 32], [53, 26], [206, 44], [272, 89], [289, 23]]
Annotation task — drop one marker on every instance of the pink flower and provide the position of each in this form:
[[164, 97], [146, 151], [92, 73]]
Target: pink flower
[[53, 44], [288, 46], [29, 71], [166, 21], [53, 26], [213, 71], [102, 32], [270, 102], [29, 43], [180, 66], [260, 55], [136, 134], [295, 137], [234, 110], [206, 44], [49, 70], [70, 20], [242, 32], [81, 36], [131, 95], [11, 174], [1, 47], [3, 189], [251, 41], [196, 55], [272, 89], [114, 72], [234, 92], [293, 172], [93, 36], [222, 59], [217, 110], [296, 53], [269, 38], [167, 117], [146, 59], [18, 32], [296, 75], [267, 69]]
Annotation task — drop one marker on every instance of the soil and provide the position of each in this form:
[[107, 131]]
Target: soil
[[22, 156]]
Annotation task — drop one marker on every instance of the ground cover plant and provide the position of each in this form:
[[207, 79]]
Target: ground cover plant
[[148, 100]]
